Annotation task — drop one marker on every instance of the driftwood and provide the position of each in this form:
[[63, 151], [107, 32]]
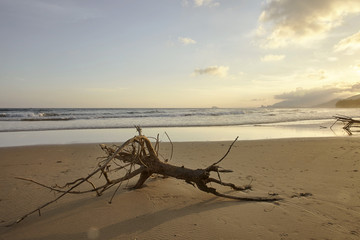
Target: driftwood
[[347, 121], [136, 157]]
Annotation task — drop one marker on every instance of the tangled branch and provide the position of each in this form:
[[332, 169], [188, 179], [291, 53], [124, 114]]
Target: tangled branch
[[136, 157]]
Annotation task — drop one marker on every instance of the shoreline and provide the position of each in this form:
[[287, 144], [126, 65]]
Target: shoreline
[[317, 177], [300, 129], [57, 128]]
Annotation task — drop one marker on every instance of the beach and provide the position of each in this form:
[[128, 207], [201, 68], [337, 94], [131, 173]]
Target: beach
[[252, 108], [316, 177]]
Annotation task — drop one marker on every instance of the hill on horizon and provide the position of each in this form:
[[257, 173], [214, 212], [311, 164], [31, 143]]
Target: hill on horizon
[[351, 102]]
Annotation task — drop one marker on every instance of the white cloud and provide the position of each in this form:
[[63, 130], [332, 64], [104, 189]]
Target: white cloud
[[219, 71], [349, 45], [286, 22], [186, 41], [316, 74], [272, 58], [207, 3], [332, 59], [356, 68], [201, 3]]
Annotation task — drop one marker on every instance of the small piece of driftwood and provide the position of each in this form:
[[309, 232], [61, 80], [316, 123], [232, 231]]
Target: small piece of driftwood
[[347, 121]]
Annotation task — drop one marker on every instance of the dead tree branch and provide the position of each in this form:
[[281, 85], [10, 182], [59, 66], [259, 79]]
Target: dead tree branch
[[138, 157]]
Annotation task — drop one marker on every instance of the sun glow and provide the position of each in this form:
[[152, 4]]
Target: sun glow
[[215, 53]]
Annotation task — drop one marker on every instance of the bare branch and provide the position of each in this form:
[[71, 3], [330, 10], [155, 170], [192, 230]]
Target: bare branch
[[142, 159], [225, 153]]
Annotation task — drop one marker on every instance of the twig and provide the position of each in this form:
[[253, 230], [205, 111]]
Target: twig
[[225, 153], [76, 185], [172, 146]]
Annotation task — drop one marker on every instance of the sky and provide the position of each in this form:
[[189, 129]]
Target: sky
[[177, 53]]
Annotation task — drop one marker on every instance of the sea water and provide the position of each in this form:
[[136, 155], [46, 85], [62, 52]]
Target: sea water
[[24, 126], [33, 119]]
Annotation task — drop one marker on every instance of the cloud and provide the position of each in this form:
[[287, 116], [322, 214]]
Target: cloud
[[312, 75], [316, 74], [186, 41], [301, 93], [311, 97], [332, 59], [307, 97], [219, 71], [286, 22], [206, 3], [201, 3], [272, 58], [258, 100], [349, 44], [355, 87], [356, 68]]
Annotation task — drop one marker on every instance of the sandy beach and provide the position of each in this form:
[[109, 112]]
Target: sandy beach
[[317, 177]]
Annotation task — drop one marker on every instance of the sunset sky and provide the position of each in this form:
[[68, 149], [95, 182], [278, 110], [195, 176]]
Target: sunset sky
[[177, 53]]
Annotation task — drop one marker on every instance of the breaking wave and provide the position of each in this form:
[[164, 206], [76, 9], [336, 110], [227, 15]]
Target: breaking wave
[[31, 119]]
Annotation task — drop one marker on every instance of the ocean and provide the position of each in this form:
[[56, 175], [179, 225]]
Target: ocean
[[28, 126], [39, 119]]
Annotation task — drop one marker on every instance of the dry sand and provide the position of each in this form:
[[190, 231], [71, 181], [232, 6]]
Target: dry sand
[[325, 170]]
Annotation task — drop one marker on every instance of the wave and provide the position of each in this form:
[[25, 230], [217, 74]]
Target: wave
[[73, 114], [48, 114], [60, 119], [46, 119]]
